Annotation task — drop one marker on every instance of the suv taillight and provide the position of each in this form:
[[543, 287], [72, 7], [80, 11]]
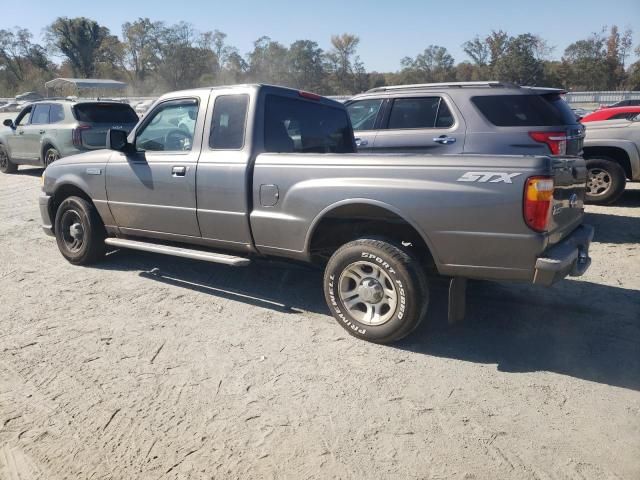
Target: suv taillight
[[538, 195], [76, 135], [556, 141]]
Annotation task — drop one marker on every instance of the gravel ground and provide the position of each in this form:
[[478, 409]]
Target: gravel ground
[[159, 368]]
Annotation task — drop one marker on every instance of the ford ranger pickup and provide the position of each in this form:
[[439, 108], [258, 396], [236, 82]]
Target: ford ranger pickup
[[232, 174]]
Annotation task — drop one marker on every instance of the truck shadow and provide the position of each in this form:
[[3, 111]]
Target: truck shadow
[[581, 329], [577, 328]]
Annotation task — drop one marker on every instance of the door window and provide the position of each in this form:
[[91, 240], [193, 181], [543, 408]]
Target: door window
[[419, 112], [40, 115], [23, 118], [364, 113], [228, 124], [56, 114], [170, 127]]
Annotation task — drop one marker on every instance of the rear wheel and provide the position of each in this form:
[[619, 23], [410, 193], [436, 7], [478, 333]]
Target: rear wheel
[[605, 181], [79, 231], [376, 290], [6, 165], [50, 156]]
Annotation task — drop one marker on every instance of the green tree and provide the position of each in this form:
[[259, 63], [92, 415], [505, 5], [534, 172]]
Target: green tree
[[345, 67], [434, 64], [268, 62], [20, 59], [518, 62], [587, 62], [140, 39], [306, 66], [84, 42]]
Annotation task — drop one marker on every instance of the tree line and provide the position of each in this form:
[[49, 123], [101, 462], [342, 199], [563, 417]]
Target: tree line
[[155, 57]]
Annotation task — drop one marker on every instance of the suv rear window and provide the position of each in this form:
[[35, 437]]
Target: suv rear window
[[293, 125], [105, 113], [525, 110]]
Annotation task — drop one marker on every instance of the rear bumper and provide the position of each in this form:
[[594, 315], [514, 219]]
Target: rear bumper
[[47, 225], [568, 257]]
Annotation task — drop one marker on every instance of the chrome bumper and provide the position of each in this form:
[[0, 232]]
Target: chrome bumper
[[568, 257]]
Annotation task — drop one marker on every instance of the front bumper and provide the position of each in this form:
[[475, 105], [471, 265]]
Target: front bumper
[[47, 225], [568, 257]]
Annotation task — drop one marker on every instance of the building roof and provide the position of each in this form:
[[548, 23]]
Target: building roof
[[86, 83]]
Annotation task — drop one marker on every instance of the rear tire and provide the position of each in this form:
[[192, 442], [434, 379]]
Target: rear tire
[[50, 156], [606, 181], [376, 290], [79, 232], [6, 165]]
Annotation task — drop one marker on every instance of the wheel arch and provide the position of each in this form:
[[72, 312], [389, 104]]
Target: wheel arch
[[62, 192], [46, 144], [613, 152], [347, 220]]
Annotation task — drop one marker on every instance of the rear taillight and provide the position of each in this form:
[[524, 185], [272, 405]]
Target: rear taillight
[[76, 135], [556, 141], [538, 195]]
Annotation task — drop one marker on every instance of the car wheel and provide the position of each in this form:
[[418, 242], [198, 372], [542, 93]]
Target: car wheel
[[376, 290], [79, 232], [6, 165], [605, 181], [50, 156]]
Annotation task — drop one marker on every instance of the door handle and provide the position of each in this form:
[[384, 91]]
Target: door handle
[[444, 140], [178, 171], [20, 132], [361, 142], [42, 131]]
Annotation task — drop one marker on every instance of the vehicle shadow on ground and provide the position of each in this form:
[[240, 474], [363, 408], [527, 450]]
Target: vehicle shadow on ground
[[581, 329], [30, 172], [612, 228], [630, 198]]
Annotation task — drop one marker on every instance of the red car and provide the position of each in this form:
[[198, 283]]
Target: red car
[[612, 113]]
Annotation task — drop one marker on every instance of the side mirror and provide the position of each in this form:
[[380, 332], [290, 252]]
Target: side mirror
[[117, 140], [8, 123]]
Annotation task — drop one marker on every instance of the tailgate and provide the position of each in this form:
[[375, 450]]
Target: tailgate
[[567, 209], [95, 136]]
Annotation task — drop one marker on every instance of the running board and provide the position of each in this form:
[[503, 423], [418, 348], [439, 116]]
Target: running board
[[179, 252]]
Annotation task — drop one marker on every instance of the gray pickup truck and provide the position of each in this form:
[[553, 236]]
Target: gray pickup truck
[[262, 171]]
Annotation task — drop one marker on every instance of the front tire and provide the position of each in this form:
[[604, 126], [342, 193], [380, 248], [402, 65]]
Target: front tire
[[376, 290], [606, 181], [79, 232], [6, 165]]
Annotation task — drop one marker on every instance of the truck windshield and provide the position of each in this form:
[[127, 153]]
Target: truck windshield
[[297, 125], [105, 113]]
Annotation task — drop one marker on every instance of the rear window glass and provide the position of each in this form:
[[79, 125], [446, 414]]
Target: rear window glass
[[227, 126], [293, 125], [105, 113], [364, 113], [525, 110]]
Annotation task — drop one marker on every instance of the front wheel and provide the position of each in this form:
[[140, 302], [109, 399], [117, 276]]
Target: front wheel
[[376, 290], [6, 165], [79, 232], [605, 181]]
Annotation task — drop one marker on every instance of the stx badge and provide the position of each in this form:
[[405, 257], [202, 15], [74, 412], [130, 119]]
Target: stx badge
[[491, 177]]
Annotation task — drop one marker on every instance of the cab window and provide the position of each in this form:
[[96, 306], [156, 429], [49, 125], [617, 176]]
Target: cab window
[[169, 127], [228, 124]]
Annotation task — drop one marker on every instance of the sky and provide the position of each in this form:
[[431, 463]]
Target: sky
[[388, 30]]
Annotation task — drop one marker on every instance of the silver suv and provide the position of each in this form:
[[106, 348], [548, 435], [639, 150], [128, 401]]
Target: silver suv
[[465, 117], [50, 129]]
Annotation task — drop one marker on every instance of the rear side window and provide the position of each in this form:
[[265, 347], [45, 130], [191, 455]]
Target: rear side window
[[56, 114], [525, 110], [228, 124], [364, 113], [293, 125], [105, 113], [40, 115], [424, 112]]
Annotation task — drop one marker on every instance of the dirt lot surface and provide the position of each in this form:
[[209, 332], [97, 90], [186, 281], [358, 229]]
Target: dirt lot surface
[[159, 368]]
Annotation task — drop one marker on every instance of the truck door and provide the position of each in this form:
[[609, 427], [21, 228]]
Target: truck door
[[153, 189], [421, 124]]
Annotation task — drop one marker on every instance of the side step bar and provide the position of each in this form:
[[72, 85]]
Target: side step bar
[[179, 252]]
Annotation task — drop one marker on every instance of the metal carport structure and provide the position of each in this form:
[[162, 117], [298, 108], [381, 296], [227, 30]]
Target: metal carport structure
[[85, 87]]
